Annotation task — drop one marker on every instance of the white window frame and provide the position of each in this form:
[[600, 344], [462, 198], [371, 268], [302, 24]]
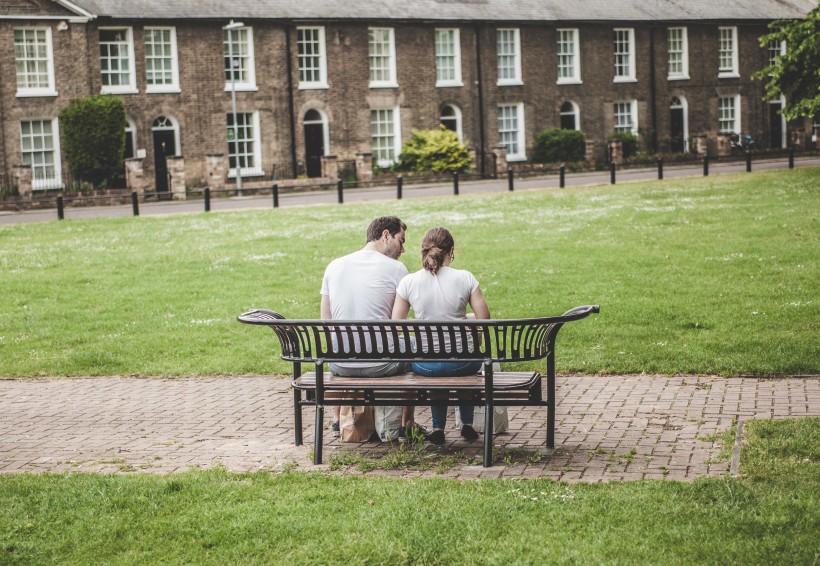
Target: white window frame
[[684, 105], [131, 87], [255, 170], [574, 53], [173, 86], [683, 73], [456, 117], [376, 148], [735, 126], [503, 56], [248, 82], [576, 113], [776, 48], [519, 132], [632, 113], [374, 57], [619, 76], [49, 89], [453, 54], [314, 62], [56, 181], [728, 34]]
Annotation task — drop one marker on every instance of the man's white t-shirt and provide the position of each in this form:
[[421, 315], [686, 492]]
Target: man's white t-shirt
[[362, 286], [443, 296]]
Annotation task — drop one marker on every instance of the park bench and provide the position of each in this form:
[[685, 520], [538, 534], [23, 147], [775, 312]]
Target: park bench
[[318, 342]]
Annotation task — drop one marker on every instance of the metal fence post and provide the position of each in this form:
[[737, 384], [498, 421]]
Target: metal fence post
[[135, 203], [275, 195], [791, 158], [60, 211], [705, 165], [340, 190], [612, 172], [660, 169], [748, 161], [510, 178], [455, 183], [399, 185], [207, 199], [561, 174]]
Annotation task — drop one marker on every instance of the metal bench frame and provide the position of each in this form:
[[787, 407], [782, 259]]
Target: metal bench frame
[[319, 342]]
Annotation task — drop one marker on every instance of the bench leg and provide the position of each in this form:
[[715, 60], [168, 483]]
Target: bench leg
[[488, 436], [297, 416], [317, 436], [551, 411]]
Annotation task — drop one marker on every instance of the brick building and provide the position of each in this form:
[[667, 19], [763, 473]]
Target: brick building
[[320, 79]]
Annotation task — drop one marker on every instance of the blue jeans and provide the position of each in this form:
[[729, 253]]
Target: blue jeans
[[447, 369]]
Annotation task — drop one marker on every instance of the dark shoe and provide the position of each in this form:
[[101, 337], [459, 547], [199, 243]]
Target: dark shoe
[[468, 432], [334, 428], [436, 437]]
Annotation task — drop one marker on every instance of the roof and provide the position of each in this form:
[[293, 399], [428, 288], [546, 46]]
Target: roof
[[454, 10]]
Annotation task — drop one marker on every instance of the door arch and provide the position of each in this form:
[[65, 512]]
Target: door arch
[[165, 132], [678, 125], [316, 142]]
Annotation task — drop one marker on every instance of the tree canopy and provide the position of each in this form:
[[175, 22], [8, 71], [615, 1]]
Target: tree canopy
[[795, 74]]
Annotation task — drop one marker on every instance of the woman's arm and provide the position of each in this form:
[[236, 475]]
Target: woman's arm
[[477, 303], [400, 308]]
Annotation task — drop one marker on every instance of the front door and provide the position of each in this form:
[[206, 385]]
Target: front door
[[164, 145], [676, 133], [775, 125], [314, 148]]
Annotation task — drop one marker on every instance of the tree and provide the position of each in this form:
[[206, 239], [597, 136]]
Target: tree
[[796, 73], [93, 133], [433, 150]]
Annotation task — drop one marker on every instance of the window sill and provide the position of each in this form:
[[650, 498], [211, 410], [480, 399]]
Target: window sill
[[624, 80], [125, 90], [515, 158], [168, 90], [731, 75], [35, 93], [449, 84], [246, 173], [510, 83], [677, 78], [383, 85], [241, 87], [313, 86], [569, 82]]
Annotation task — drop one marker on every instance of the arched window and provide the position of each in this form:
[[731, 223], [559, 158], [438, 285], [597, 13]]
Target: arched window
[[569, 116], [451, 118]]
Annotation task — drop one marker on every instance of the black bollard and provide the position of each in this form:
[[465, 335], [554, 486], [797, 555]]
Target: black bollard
[[660, 169], [705, 165], [207, 199], [399, 186], [275, 195], [791, 158], [455, 183], [748, 161], [510, 182], [135, 203], [60, 212], [340, 190], [612, 172], [561, 173]]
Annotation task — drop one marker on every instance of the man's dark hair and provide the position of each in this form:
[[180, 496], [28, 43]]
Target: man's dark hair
[[382, 223]]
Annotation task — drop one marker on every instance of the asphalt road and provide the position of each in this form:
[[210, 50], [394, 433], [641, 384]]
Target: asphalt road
[[315, 197]]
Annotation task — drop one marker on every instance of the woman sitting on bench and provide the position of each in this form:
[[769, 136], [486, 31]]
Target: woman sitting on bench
[[439, 292]]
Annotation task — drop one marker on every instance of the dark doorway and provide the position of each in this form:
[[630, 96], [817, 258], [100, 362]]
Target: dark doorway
[[775, 125], [676, 134], [314, 143], [164, 145]]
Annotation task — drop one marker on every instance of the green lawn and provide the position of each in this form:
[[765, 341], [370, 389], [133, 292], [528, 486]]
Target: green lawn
[[770, 516], [705, 275]]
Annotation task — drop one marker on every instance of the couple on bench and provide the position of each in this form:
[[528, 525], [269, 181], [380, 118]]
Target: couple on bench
[[372, 284]]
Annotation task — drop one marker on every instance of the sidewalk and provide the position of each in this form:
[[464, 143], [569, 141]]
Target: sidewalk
[[608, 427], [409, 191]]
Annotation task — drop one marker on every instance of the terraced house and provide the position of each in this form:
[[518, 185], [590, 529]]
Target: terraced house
[[317, 82]]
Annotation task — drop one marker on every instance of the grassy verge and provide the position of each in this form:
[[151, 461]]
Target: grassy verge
[[707, 275], [217, 517]]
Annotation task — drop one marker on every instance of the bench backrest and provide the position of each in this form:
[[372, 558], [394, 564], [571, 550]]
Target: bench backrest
[[511, 340]]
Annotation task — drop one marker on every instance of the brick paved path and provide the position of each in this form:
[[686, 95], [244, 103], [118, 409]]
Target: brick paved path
[[609, 428]]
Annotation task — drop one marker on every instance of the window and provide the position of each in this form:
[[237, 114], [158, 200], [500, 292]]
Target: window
[[511, 130], [161, 73], [729, 114], [34, 62], [678, 51], [451, 119], [727, 52], [117, 61], [243, 144], [448, 57], [237, 49], [312, 60], [776, 49], [508, 48], [382, 57], [40, 144], [385, 136], [569, 116], [815, 129], [624, 49], [569, 59], [626, 116]]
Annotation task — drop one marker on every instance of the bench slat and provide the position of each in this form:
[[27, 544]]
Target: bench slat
[[504, 380]]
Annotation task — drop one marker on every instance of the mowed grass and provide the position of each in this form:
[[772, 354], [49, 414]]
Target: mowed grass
[[216, 517], [704, 275]]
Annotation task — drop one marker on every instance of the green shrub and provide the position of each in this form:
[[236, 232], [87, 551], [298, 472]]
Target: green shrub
[[554, 145], [433, 151], [93, 134], [629, 141]]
